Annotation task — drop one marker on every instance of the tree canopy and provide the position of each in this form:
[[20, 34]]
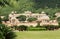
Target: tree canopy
[[49, 6], [6, 32], [31, 19], [22, 18]]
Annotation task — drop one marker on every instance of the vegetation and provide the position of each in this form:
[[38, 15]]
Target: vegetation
[[51, 27], [6, 32], [22, 28], [50, 7], [22, 18], [16, 27], [31, 19]]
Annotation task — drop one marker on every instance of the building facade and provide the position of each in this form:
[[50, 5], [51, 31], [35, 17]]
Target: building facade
[[43, 18]]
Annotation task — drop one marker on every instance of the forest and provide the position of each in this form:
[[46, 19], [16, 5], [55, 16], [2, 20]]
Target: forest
[[49, 6]]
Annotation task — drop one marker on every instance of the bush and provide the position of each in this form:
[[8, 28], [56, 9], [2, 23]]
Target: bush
[[15, 27], [51, 27], [22, 28], [6, 32], [1, 35], [56, 27]]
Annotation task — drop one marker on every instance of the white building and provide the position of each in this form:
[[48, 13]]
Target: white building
[[42, 18]]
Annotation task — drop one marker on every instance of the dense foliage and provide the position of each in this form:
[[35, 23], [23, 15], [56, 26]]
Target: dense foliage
[[51, 27], [22, 28], [6, 32], [22, 18], [49, 6], [31, 19]]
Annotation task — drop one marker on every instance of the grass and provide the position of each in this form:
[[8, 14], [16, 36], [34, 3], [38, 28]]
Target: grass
[[38, 35]]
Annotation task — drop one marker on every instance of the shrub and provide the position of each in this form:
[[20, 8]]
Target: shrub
[[56, 27], [6, 32], [15, 27], [1, 35], [51, 27], [22, 28]]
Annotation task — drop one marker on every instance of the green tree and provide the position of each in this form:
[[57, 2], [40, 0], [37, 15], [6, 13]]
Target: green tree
[[31, 19], [6, 32], [6, 6], [22, 18]]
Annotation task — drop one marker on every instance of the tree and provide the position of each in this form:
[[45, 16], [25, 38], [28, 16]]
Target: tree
[[6, 32], [31, 19], [22, 18]]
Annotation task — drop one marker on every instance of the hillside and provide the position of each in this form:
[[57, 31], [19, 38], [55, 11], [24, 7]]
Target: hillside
[[49, 6]]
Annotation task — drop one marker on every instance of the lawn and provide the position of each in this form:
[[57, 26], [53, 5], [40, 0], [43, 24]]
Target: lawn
[[38, 35]]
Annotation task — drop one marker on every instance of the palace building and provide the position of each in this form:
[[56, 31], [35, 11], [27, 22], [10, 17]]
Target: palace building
[[42, 17]]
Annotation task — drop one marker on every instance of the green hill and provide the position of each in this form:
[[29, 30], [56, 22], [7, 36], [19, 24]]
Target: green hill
[[49, 6]]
